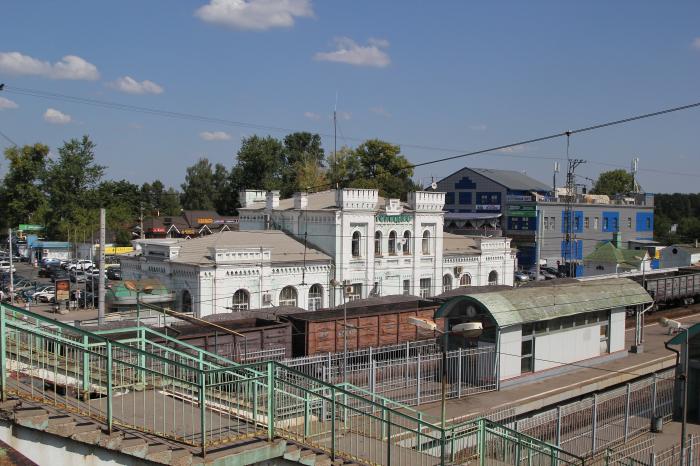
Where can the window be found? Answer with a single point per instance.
(527, 355)
(493, 278)
(449, 198)
(288, 296)
(586, 223)
(315, 297)
(356, 244)
(425, 288)
(595, 223)
(392, 243)
(604, 339)
(355, 292)
(546, 223)
(406, 242)
(465, 280)
(426, 242)
(648, 223)
(553, 223)
(407, 287)
(629, 222)
(241, 301)
(605, 223)
(616, 226)
(446, 283)
(577, 223)
(465, 198)
(378, 243)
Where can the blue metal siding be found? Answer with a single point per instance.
(465, 183)
(449, 198)
(611, 222)
(577, 216)
(465, 198)
(645, 221)
(576, 250)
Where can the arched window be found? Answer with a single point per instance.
(407, 242)
(493, 278)
(378, 243)
(392, 242)
(288, 296)
(465, 280)
(446, 282)
(426, 242)
(186, 301)
(315, 297)
(241, 301)
(356, 244)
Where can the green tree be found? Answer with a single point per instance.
(383, 167)
(303, 156)
(343, 167)
(225, 195)
(22, 197)
(156, 200)
(71, 183)
(198, 189)
(260, 164)
(613, 182)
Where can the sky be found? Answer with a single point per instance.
(437, 78)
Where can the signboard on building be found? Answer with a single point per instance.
(382, 218)
(488, 207)
(228, 220)
(188, 231)
(522, 211)
(157, 230)
(205, 220)
(113, 250)
(30, 227)
(62, 290)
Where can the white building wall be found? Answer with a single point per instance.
(566, 346)
(510, 348)
(617, 329)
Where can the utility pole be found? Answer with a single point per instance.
(141, 222)
(569, 230)
(101, 284)
(554, 179)
(12, 275)
(635, 168)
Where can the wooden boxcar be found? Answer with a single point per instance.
(371, 323)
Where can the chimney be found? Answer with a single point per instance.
(617, 240)
(301, 200)
(273, 200)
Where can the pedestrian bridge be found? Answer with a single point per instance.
(145, 393)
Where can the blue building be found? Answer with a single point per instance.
(491, 202)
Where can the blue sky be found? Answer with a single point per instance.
(454, 75)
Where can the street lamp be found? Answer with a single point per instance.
(131, 286)
(466, 329)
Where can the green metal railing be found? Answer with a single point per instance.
(140, 379)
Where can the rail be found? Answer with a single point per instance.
(137, 378)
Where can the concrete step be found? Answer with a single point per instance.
(159, 453)
(87, 432)
(292, 453)
(34, 418)
(181, 457)
(111, 441)
(246, 452)
(135, 446)
(61, 424)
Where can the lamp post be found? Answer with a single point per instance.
(686, 372)
(472, 329)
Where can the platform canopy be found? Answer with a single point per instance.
(549, 301)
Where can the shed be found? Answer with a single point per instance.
(548, 326)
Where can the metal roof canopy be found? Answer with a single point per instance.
(524, 305)
(680, 338)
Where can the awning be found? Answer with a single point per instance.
(470, 216)
(540, 303)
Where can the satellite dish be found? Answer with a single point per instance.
(433, 185)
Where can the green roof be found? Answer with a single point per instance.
(680, 338)
(522, 305)
(607, 252)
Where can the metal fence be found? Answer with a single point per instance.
(409, 373)
(602, 420)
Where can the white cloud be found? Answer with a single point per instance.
(381, 111)
(215, 135)
(69, 67)
(514, 149)
(696, 43)
(256, 15)
(131, 86)
(7, 103)
(56, 117)
(348, 51)
(479, 127)
(312, 115)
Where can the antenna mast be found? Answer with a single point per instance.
(335, 136)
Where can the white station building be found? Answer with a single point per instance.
(315, 250)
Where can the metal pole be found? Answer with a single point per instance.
(443, 397)
(595, 427)
(684, 426)
(627, 411)
(538, 243)
(12, 275)
(345, 337)
(101, 284)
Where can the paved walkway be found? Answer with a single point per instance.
(578, 382)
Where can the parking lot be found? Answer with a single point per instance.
(83, 311)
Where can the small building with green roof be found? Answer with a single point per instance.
(609, 259)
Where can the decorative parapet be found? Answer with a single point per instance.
(249, 197)
(239, 255)
(272, 200)
(357, 199)
(426, 201)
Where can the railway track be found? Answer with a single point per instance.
(670, 313)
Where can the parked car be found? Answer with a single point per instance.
(553, 271)
(47, 295)
(82, 264)
(58, 274)
(5, 267)
(114, 273)
(77, 276)
(521, 276)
